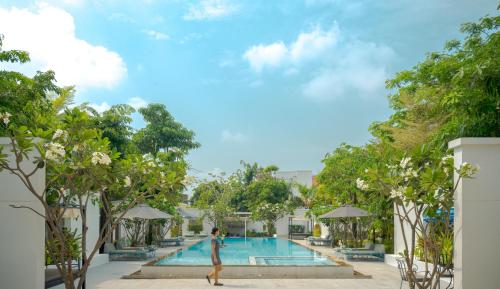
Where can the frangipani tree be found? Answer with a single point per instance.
(270, 213)
(421, 186)
(81, 169)
(214, 198)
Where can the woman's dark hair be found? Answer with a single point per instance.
(214, 230)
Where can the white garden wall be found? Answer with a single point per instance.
(477, 215)
(22, 232)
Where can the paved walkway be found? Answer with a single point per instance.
(108, 276)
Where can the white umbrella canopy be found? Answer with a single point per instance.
(143, 211)
(345, 212)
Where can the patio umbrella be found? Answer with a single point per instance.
(144, 211)
(347, 211)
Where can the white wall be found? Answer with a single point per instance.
(477, 215)
(92, 232)
(300, 177)
(22, 236)
(399, 245)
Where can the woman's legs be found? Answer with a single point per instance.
(218, 268)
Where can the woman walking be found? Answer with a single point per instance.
(215, 258)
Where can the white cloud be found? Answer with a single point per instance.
(360, 69)
(100, 108)
(234, 137)
(261, 56)
(137, 102)
(313, 44)
(210, 9)
(48, 34)
(342, 65)
(156, 34)
(308, 46)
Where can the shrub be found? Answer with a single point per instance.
(297, 228)
(195, 226)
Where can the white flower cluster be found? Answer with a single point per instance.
(127, 182)
(54, 151)
(439, 194)
(408, 173)
(405, 162)
(60, 134)
(467, 170)
(446, 158)
(100, 158)
(5, 116)
(398, 193)
(361, 184)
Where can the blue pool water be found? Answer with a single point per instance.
(238, 251)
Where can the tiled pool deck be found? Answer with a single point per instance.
(108, 276)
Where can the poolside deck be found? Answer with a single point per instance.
(108, 276)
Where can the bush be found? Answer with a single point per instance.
(253, 233)
(317, 230)
(195, 226)
(297, 228)
(176, 231)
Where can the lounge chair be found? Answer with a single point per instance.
(318, 241)
(178, 241)
(377, 254)
(130, 253)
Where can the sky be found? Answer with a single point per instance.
(273, 82)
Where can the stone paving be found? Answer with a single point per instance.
(108, 276)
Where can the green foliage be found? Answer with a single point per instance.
(295, 228)
(266, 188)
(253, 233)
(270, 213)
(451, 94)
(72, 249)
(88, 158)
(115, 126)
(195, 225)
(214, 198)
(162, 132)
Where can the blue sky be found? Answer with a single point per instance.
(277, 82)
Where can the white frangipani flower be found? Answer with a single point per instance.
(405, 162)
(5, 116)
(467, 170)
(100, 158)
(398, 193)
(127, 182)
(60, 134)
(446, 158)
(361, 184)
(55, 151)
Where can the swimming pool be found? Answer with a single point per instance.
(249, 251)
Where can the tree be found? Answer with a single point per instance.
(266, 188)
(81, 166)
(115, 126)
(214, 198)
(162, 132)
(421, 185)
(451, 94)
(270, 213)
